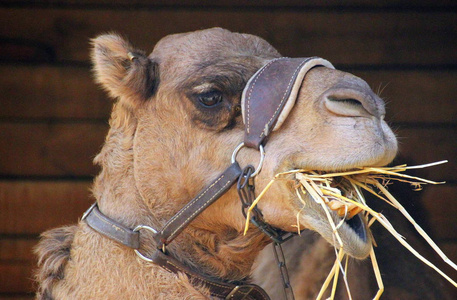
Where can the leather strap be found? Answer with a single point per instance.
(217, 288)
(192, 209)
(117, 232)
(112, 229)
(270, 95)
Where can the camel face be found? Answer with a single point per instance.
(185, 98)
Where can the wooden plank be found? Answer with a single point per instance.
(50, 204)
(17, 250)
(441, 205)
(415, 96)
(68, 149)
(420, 145)
(51, 92)
(411, 96)
(25, 51)
(241, 3)
(17, 263)
(16, 278)
(33, 207)
(20, 296)
(20, 265)
(412, 38)
(50, 149)
(19, 268)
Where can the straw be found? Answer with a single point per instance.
(318, 186)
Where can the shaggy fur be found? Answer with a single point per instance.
(53, 255)
(164, 146)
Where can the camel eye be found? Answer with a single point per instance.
(210, 99)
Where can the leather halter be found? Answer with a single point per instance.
(267, 99)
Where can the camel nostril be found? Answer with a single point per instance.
(346, 106)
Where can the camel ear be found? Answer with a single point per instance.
(126, 73)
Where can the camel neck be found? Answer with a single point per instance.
(218, 285)
(202, 248)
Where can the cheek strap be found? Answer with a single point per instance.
(270, 95)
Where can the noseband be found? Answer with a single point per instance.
(267, 100)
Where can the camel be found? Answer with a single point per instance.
(175, 123)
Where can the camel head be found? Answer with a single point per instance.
(182, 107)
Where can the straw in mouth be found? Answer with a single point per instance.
(340, 193)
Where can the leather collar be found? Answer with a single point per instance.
(130, 238)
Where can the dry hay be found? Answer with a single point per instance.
(342, 193)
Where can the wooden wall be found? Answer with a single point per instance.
(53, 118)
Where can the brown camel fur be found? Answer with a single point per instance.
(174, 127)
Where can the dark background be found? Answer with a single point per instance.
(53, 118)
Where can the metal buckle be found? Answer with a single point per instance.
(88, 211)
(235, 290)
(137, 252)
(230, 295)
(262, 158)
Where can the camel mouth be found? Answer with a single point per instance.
(352, 232)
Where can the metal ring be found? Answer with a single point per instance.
(88, 211)
(137, 252)
(131, 56)
(262, 158)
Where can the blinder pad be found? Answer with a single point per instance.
(270, 95)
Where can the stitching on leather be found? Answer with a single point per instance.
(200, 208)
(101, 218)
(248, 127)
(263, 296)
(169, 270)
(285, 93)
(253, 288)
(259, 293)
(190, 204)
(106, 221)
